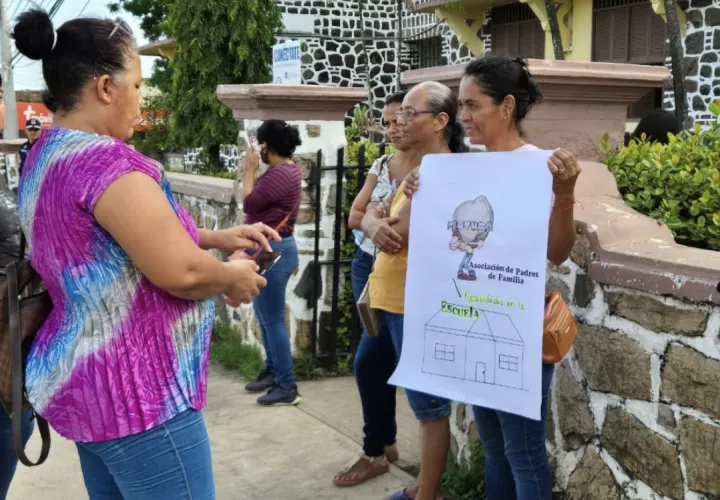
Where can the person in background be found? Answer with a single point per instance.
(9, 251)
(655, 125)
(496, 94)
(274, 198)
(120, 366)
(428, 119)
(2, 106)
(32, 130)
(375, 357)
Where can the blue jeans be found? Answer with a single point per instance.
(169, 462)
(425, 406)
(374, 363)
(270, 312)
(516, 462)
(8, 460)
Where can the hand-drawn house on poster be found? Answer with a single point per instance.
(476, 345)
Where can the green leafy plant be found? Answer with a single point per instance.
(677, 183)
(229, 350)
(361, 124)
(346, 302)
(466, 482)
(220, 175)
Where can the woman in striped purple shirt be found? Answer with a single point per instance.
(274, 198)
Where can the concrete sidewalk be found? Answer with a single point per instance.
(274, 453)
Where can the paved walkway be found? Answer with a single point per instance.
(274, 453)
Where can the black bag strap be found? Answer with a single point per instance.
(23, 243)
(18, 380)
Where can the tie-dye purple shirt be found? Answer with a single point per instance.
(117, 355)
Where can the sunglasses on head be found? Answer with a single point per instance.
(120, 24)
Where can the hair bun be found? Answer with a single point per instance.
(34, 34)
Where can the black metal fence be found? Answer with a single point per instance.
(327, 333)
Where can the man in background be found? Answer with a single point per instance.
(32, 129)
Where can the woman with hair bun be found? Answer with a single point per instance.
(274, 199)
(120, 365)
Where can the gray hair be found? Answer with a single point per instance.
(440, 99)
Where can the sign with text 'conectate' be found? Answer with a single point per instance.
(286, 63)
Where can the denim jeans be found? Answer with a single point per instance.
(8, 460)
(270, 311)
(516, 462)
(424, 406)
(374, 363)
(169, 462)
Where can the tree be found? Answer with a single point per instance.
(218, 42)
(153, 15)
(676, 56)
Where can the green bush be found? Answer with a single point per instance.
(229, 350)
(346, 301)
(220, 174)
(466, 482)
(677, 183)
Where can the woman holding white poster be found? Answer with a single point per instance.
(428, 118)
(496, 94)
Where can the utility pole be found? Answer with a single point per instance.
(11, 125)
(398, 45)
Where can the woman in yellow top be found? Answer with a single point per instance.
(428, 118)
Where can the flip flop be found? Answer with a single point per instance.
(374, 467)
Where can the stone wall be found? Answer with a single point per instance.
(701, 65)
(635, 407)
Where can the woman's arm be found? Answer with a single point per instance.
(561, 235)
(251, 162)
(359, 206)
(564, 168)
(378, 228)
(136, 213)
(402, 226)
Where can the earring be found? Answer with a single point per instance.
(506, 117)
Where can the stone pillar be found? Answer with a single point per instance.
(582, 100)
(319, 114)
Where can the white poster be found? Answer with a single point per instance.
(474, 298)
(286, 67)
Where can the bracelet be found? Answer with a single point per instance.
(572, 204)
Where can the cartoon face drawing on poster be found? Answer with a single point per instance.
(470, 226)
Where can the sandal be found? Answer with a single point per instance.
(361, 470)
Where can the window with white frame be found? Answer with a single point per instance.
(445, 352)
(509, 363)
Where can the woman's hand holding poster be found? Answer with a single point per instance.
(475, 289)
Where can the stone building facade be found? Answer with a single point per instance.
(334, 52)
(701, 64)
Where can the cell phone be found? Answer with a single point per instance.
(267, 260)
(255, 144)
